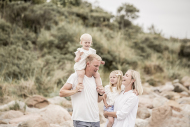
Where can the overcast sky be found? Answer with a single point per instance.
(170, 16)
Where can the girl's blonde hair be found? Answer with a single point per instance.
(119, 75)
(137, 83)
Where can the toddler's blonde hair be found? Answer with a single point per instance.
(84, 36)
(119, 75)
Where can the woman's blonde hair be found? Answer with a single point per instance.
(137, 83)
(119, 75)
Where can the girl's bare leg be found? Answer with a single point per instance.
(110, 123)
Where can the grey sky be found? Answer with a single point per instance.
(170, 16)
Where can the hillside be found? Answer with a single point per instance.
(38, 41)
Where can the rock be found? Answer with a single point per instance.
(158, 116)
(37, 101)
(170, 95)
(186, 81)
(147, 88)
(159, 101)
(174, 105)
(24, 118)
(67, 124)
(11, 114)
(146, 101)
(55, 114)
(34, 123)
(180, 88)
(184, 100)
(141, 123)
(167, 87)
(60, 101)
(164, 116)
(142, 112)
(12, 105)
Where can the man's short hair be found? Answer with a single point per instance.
(91, 57)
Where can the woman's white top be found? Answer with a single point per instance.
(126, 106)
(81, 64)
(111, 96)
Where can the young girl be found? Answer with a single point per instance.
(111, 92)
(80, 59)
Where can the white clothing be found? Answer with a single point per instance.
(126, 106)
(111, 96)
(85, 103)
(81, 64)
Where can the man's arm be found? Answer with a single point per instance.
(66, 91)
(100, 98)
(100, 91)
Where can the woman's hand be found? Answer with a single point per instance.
(136, 92)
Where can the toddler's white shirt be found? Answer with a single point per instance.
(81, 64)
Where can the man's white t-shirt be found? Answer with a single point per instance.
(85, 103)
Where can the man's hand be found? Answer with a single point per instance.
(79, 87)
(103, 62)
(100, 90)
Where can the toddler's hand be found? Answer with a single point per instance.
(103, 62)
(81, 53)
(100, 90)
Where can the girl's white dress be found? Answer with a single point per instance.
(81, 64)
(111, 96)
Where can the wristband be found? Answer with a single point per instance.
(100, 94)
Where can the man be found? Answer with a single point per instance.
(85, 103)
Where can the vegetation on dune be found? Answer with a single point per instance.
(38, 41)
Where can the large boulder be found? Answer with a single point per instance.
(165, 116)
(167, 87)
(37, 101)
(186, 81)
(170, 95)
(141, 123)
(184, 100)
(159, 101)
(60, 101)
(34, 123)
(142, 112)
(55, 114)
(179, 87)
(146, 101)
(11, 114)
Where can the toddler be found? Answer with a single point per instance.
(80, 59)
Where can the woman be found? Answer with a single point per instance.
(126, 104)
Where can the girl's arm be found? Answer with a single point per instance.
(110, 114)
(78, 56)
